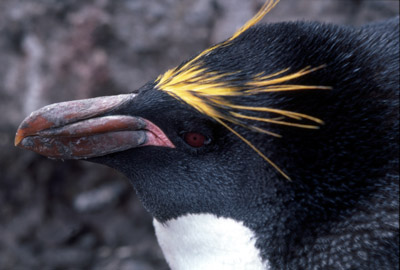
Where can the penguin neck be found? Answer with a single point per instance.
(205, 241)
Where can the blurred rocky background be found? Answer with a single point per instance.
(77, 215)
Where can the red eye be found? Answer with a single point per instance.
(194, 139)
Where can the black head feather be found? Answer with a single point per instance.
(340, 211)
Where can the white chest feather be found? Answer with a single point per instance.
(204, 241)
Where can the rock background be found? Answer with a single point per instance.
(77, 215)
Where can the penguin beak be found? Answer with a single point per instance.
(87, 128)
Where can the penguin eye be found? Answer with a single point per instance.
(195, 139)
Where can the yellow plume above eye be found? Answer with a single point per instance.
(211, 92)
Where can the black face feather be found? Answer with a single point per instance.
(340, 210)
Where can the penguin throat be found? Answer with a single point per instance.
(205, 241)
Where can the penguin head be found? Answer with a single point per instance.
(275, 127)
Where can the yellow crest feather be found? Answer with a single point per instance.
(207, 91)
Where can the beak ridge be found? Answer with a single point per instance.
(61, 114)
(86, 128)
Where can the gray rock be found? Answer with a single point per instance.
(98, 198)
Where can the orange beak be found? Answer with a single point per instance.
(86, 128)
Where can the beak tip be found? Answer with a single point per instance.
(18, 138)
